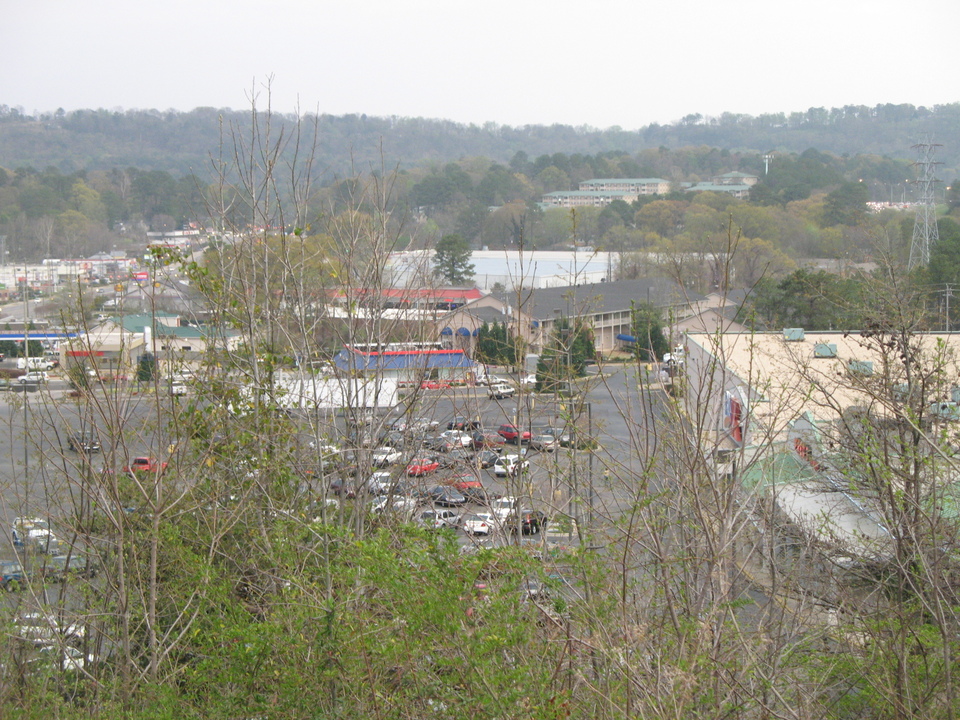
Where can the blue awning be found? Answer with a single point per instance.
(446, 331)
(626, 338)
(463, 332)
(476, 331)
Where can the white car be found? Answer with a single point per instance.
(529, 380)
(385, 455)
(503, 506)
(458, 437)
(508, 465)
(30, 531)
(36, 376)
(380, 483)
(438, 518)
(177, 388)
(397, 505)
(478, 524)
(44, 629)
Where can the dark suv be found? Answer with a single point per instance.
(530, 521)
(83, 441)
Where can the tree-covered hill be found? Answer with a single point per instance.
(183, 143)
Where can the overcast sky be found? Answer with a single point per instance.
(599, 63)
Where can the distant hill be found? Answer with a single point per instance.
(184, 142)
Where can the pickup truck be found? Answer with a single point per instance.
(501, 391)
(145, 464)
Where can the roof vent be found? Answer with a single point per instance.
(793, 334)
(860, 367)
(825, 350)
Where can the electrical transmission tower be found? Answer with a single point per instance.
(925, 231)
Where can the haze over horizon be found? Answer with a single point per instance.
(613, 64)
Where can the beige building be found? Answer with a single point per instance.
(108, 351)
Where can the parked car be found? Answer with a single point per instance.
(573, 439)
(339, 486)
(437, 444)
(463, 423)
(29, 531)
(380, 483)
(486, 458)
(385, 455)
(503, 506)
(392, 504)
(41, 628)
(457, 456)
(434, 385)
(87, 442)
(471, 487)
(59, 567)
(4, 385)
(493, 380)
(177, 388)
(478, 524)
(414, 425)
(446, 496)
(145, 464)
(501, 391)
(511, 433)
(529, 521)
(438, 519)
(493, 441)
(529, 380)
(12, 576)
(422, 466)
(509, 465)
(457, 437)
(69, 659)
(544, 443)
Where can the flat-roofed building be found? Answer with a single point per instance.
(763, 402)
(633, 186)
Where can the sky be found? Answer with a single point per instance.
(601, 64)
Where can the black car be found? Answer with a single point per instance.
(486, 458)
(83, 441)
(530, 521)
(59, 567)
(437, 444)
(446, 496)
(457, 456)
(462, 423)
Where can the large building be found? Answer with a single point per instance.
(778, 411)
(600, 192)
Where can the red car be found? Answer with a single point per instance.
(511, 433)
(434, 385)
(145, 464)
(422, 466)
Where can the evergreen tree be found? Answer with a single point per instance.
(451, 260)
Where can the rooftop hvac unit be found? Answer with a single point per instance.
(945, 410)
(860, 367)
(825, 350)
(793, 334)
(901, 392)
